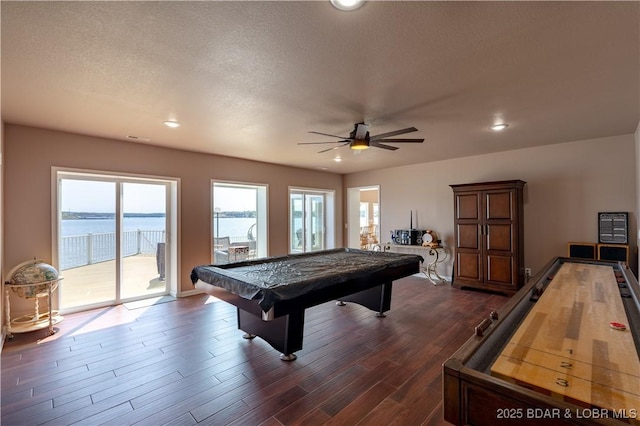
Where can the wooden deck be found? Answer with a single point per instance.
(91, 284)
(185, 362)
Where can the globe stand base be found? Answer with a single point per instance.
(27, 323)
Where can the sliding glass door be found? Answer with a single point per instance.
(112, 239)
(307, 212)
(143, 242)
(87, 242)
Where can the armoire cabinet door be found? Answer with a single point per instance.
(469, 242)
(499, 236)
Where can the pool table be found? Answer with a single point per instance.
(272, 294)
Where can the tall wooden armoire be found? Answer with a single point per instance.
(489, 235)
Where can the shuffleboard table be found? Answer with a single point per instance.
(272, 294)
(563, 350)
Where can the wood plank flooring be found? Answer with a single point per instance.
(185, 362)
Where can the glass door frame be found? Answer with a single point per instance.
(328, 222)
(317, 227)
(171, 228)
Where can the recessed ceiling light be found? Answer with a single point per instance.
(347, 4)
(498, 127)
(337, 159)
(172, 124)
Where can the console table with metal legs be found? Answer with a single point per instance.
(434, 257)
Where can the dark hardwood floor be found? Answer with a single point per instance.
(185, 362)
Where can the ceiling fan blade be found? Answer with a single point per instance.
(335, 147)
(327, 134)
(361, 131)
(394, 133)
(379, 145)
(317, 143)
(400, 140)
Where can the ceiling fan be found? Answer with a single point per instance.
(359, 139)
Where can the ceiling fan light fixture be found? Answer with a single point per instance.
(359, 144)
(172, 124)
(359, 139)
(347, 4)
(499, 127)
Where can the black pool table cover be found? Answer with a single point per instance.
(273, 279)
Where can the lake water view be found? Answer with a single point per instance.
(87, 241)
(229, 226)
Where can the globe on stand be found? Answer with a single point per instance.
(33, 279)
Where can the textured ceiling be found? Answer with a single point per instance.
(251, 79)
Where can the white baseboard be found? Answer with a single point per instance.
(4, 335)
(190, 293)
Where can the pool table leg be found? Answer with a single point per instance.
(377, 299)
(290, 357)
(283, 333)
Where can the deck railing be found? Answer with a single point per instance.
(87, 249)
(81, 250)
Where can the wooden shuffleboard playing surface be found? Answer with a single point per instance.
(566, 348)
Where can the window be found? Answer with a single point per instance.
(239, 222)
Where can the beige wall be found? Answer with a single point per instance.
(636, 230)
(568, 184)
(2, 271)
(30, 153)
